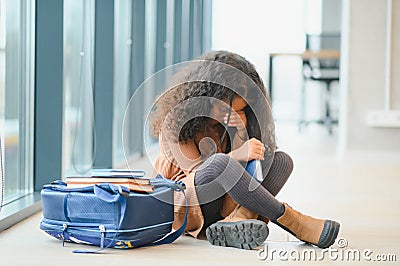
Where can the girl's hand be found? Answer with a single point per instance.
(237, 119)
(250, 150)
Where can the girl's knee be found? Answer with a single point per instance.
(217, 163)
(219, 158)
(282, 157)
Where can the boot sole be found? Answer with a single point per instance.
(247, 234)
(328, 234)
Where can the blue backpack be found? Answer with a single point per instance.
(108, 215)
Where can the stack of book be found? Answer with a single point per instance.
(132, 179)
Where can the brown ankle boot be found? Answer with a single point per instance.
(240, 213)
(321, 233)
(240, 229)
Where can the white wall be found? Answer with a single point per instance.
(331, 15)
(254, 28)
(363, 75)
(396, 55)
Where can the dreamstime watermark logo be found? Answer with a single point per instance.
(340, 252)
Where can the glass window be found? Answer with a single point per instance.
(143, 96)
(143, 55)
(169, 42)
(150, 89)
(122, 72)
(78, 137)
(150, 37)
(16, 96)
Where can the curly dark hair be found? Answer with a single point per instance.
(175, 111)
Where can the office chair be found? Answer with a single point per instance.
(321, 68)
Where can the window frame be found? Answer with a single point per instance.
(43, 103)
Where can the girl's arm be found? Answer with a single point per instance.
(238, 119)
(243, 148)
(185, 156)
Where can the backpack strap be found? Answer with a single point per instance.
(178, 186)
(171, 237)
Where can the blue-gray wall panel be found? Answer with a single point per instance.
(103, 82)
(48, 92)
